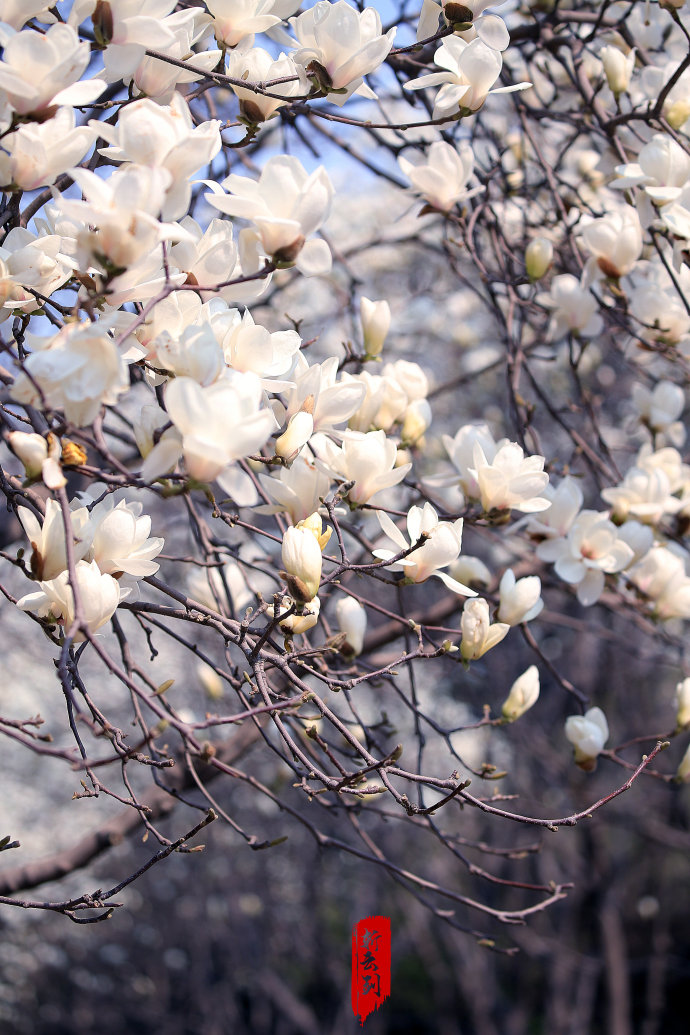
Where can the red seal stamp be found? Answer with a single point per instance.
(371, 965)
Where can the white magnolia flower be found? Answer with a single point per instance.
(193, 352)
(120, 540)
(662, 577)
(305, 614)
(297, 491)
(258, 66)
(332, 400)
(614, 241)
(588, 734)
(368, 460)
(40, 456)
(460, 450)
(510, 480)
(467, 19)
(660, 408)
(28, 261)
(78, 370)
(126, 28)
(643, 494)
(48, 547)
(591, 549)
(17, 13)
(519, 600)
(441, 176)
(566, 502)
(662, 169)
(538, 257)
(99, 596)
(441, 548)
(161, 136)
(119, 217)
(220, 423)
(479, 635)
(683, 702)
(249, 346)
(470, 71)
(301, 556)
(352, 620)
(656, 304)
(340, 46)
(286, 205)
(376, 320)
(524, 693)
(237, 20)
(160, 448)
(618, 68)
(383, 405)
(159, 79)
(38, 152)
(41, 69)
(576, 311)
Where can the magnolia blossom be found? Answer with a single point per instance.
(211, 259)
(538, 257)
(576, 310)
(296, 491)
(587, 733)
(298, 432)
(352, 621)
(467, 19)
(471, 69)
(331, 401)
(305, 615)
(660, 408)
(158, 79)
(160, 448)
(376, 321)
(99, 596)
(618, 68)
(340, 45)
(566, 502)
(218, 424)
(78, 370)
(40, 457)
(478, 633)
(520, 600)
(614, 241)
(249, 346)
(662, 577)
(286, 205)
(120, 540)
(48, 547)
(119, 216)
(662, 170)
(683, 703)
(258, 66)
(509, 480)
(28, 261)
(368, 460)
(441, 176)
(523, 694)
(42, 69)
(38, 152)
(162, 137)
(591, 549)
(237, 20)
(443, 541)
(301, 556)
(643, 494)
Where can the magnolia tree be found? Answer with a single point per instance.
(279, 486)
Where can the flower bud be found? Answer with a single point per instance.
(618, 68)
(301, 556)
(683, 770)
(478, 634)
(40, 457)
(587, 733)
(315, 525)
(376, 321)
(538, 257)
(683, 703)
(523, 694)
(352, 619)
(415, 422)
(296, 435)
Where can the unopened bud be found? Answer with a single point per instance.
(538, 257)
(523, 694)
(376, 321)
(295, 437)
